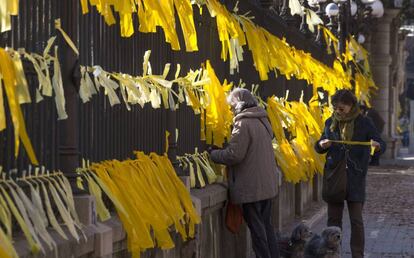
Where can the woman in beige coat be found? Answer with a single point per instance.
(253, 174)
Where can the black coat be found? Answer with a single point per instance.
(358, 157)
(376, 119)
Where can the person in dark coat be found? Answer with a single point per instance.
(347, 123)
(404, 124)
(253, 174)
(379, 124)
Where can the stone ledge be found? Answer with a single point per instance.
(65, 248)
(96, 243)
(211, 195)
(103, 241)
(120, 248)
(118, 231)
(110, 236)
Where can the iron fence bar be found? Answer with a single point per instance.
(69, 128)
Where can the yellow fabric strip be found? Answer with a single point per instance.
(95, 190)
(185, 14)
(58, 26)
(2, 112)
(167, 144)
(108, 15)
(6, 246)
(127, 26)
(44, 82)
(22, 86)
(358, 143)
(13, 7)
(7, 69)
(43, 62)
(5, 20)
(153, 199)
(218, 114)
(58, 88)
(52, 218)
(353, 143)
(28, 232)
(48, 46)
(6, 216)
(84, 4)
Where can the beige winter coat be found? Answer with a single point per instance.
(253, 174)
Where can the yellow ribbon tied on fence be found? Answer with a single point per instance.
(218, 113)
(289, 162)
(151, 14)
(22, 85)
(185, 14)
(58, 26)
(7, 9)
(6, 246)
(2, 112)
(9, 78)
(149, 198)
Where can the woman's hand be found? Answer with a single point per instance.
(376, 145)
(325, 143)
(211, 148)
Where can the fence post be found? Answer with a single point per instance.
(172, 142)
(69, 128)
(299, 199)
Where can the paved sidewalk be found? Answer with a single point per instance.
(388, 214)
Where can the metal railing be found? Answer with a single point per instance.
(95, 130)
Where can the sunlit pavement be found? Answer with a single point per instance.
(388, 213)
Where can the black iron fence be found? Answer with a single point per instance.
(97, 131)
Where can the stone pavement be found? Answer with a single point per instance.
(388, 214)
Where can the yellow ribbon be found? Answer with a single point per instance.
(58, 26)
(2, 112)
(22, 85)
(13, 7)
(5, 19)
(358, 143)
(167, 144)
(148, 214)
(6, 246)
(9, 78)
(58, 88)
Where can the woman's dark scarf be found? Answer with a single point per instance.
(346, 123)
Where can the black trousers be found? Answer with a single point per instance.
(335, 211)
(258, 218)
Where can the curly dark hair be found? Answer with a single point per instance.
(346, 97)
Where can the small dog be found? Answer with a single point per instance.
(294, 246)
(327, 245)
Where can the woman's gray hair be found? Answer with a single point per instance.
(240, 99)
